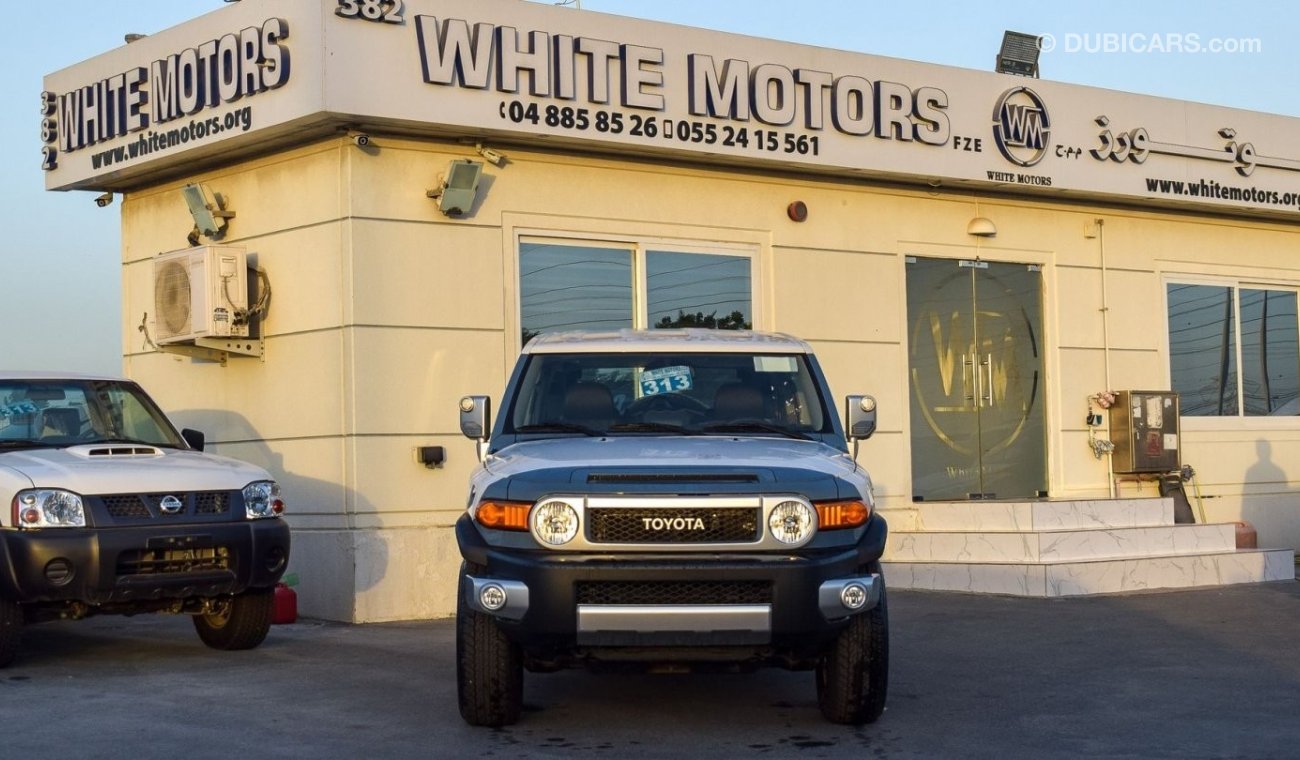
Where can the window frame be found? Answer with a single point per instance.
(638, 246)
(1236, 285)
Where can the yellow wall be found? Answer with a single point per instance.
(385, 312)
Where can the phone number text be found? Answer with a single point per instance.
(658, 127)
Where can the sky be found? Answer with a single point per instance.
(60, 254)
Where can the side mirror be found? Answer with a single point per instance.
(476, 417)
(859, 417)
(194, 438)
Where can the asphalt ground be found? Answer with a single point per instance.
(1190, 674)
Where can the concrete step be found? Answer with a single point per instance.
(1057, 545)
(1096, 576)
(899, 518)
(1043, 515)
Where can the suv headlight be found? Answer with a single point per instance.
(791, 522)
(48, 508)
(555, 523)
(262, 499)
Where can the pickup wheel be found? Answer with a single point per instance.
(489, 667)
(853, 676)
(239, 622)
(11, 629)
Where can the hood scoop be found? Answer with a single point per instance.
(620, 478)
(104, 451)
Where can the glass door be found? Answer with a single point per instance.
(976, 380)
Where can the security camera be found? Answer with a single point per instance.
(491, 156)
(103, 200)
(360, 139)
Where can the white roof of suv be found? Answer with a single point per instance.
(688, 340)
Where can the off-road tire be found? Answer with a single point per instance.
(489, 667)
(11, 630)
(853, 677)
(242, 625)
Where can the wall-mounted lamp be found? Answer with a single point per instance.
(981, 226)
(430, 456)
(133, 37)
(1019, 54)
(208, 210)
(459, 187)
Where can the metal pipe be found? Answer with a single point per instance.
(1105, 339)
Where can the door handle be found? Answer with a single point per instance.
(988, 390)
(968, 391)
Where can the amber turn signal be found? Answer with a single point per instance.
(503, 515)
(833, 515)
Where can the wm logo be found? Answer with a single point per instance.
(1021, 126)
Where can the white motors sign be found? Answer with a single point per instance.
(521, 71)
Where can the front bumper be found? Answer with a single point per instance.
(101, 566)
(802, 605)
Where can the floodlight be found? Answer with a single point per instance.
(1019, 54)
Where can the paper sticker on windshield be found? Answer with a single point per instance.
(17, 408)
(666, 380)
(774, 364)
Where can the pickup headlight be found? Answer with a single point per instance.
(791, 522)
(262, 499)
(48, 508)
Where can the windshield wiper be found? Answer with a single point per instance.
(652, 427)
(558, 427)
(27, 443)
(751, 426)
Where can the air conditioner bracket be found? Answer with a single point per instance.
(216, 349)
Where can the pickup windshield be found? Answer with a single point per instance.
(668, 394)
(45, 413)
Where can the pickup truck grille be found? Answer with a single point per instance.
(674, 592)
(670, 525)
(146, 506)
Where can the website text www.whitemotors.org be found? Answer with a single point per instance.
(1211, 189)
(156, 142)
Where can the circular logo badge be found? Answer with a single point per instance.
(1021, 126)
(170, 505)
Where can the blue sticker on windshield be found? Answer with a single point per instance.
(666, 380)
(17, 408)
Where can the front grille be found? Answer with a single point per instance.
(126, 506)
(672, 477)
(674, 592)
(673, 526)
(158, 561)
(144, 506)
(211, 503)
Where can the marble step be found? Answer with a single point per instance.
(1097, 576)
(1057, 545)
(1044, 515)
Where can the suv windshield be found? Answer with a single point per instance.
(687, 393)
(41, 413)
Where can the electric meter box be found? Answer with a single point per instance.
(1144, 429)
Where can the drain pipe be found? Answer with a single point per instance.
(1105, 341)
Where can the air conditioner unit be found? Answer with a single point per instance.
(200, 293)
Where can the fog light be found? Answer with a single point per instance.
(492, 597)
(853, 596)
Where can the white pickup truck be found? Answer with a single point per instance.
(111, 510)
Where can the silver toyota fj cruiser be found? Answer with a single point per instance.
(670, 499)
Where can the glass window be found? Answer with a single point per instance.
(566, 287)
(648, 393)
(698, 290)
(1270, 352)
(69, 412)
(571, 286)
(1233, 351)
